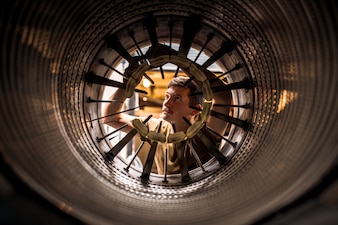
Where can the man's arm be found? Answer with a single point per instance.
(111, 114)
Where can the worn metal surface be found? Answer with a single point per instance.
(289, 48)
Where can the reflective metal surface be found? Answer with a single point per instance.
(290, 49)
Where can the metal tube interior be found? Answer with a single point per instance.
(289, 49)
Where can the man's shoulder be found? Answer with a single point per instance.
(154, 123)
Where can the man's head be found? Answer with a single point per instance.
(195, 95)
(179, 98)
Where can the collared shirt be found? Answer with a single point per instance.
(172, 162)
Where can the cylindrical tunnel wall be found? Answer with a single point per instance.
(290, 49)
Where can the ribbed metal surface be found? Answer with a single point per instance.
(290, 50)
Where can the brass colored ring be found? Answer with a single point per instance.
(198, 74)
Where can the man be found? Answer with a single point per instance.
(182, 103)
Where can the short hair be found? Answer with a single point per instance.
(195, 95)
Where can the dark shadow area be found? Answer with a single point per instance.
(20, 205)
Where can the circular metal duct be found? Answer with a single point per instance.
(289, 50)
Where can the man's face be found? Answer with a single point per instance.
(176, 105)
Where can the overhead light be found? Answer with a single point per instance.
(146, 83)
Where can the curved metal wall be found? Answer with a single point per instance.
(290, 50)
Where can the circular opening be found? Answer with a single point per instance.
(155, 65)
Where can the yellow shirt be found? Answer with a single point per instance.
(173, 161)
(164, 149)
